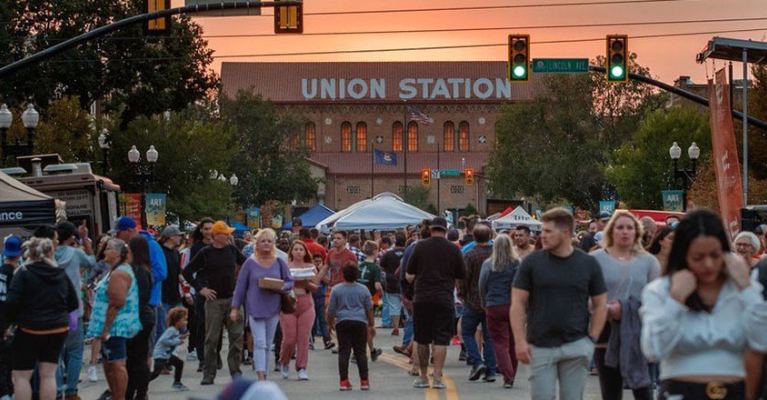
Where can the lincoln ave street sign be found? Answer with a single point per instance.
(561, 65)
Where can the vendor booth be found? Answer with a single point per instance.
(517, 217)
(23, 209)
(385, 211)
(311, 217)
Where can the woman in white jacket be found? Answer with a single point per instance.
(703, 316)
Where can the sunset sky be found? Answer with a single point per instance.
(667, 58)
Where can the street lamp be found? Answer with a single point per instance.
(143, 174)
(234, 180)
(104, 145)
(685, 175)
(30, 118)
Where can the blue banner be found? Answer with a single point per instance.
(155, 209)
(673, 200)
(385, 157)
(607, 205)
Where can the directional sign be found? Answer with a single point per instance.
(561, 65)
(435, 174)
(450, 172)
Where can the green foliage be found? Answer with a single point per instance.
(642, 168)
(418, 196)
(64, 129)
(470, 210)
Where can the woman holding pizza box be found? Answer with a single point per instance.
(262, 280)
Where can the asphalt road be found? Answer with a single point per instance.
(389, 379)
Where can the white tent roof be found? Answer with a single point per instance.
(517, 217)
(385, 211)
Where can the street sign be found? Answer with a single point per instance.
(450, 172)
(435, 174)
(561, 65)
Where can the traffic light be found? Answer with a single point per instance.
(469, 173)
(617, 58)
(519, 58)
(426, 177)
(159, 26)
(289, 19)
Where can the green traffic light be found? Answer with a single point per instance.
(519, 71)
(616, 71)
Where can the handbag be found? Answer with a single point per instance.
(288, 300)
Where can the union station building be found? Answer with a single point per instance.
(354, 108)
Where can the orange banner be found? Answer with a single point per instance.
(725, 153)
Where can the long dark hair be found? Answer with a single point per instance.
(139, 248)
(694, 225)
(660, 234)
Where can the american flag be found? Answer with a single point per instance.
(418, 116)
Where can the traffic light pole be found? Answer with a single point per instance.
(98, 32)
(690, 96)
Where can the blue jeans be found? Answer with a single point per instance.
(320, 327)
(72, 360)
(162, 312)
(392, 307)
(469, 322)
(407, 336)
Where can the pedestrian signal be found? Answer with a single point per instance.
(288, 19)
(426, 177)
(469, 174)
(617, 58)
(519, 58)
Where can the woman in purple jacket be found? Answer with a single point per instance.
(261, 305)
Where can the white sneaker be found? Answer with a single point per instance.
(191, 357)
(92, 376)
(285, 371)
(302, 375)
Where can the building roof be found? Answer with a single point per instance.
(362, 163)
(290, 82)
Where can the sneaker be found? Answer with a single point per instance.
(421, 383)
(302, 376)
(285, 371)
(490, 378)
(334, 351)
(395, 332)
(364, 384)
(206, 382)
(329, 345)
(438, 384)
(456, 341)
(311, 345)
(107, 395)
(508, 384)
(414, 372)
(345, 385)
(353, 360)
(277, 367)
(476, 372)
(199, 367)
(401, 350)
(462, 356)
(191, 356)
(179, 387)
(375, 353)
(92, 375)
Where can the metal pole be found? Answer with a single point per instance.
(732, 90)
(404, 148)
(745, 127)
(439, 178)
(372, 166)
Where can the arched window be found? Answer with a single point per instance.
(310, 135)
(396, 136)
(346, 137)
(362, 137)
(295, 141)
(449, 137)
(412, 136)
(463, 136)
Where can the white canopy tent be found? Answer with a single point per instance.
(517, 217)
(385, 211)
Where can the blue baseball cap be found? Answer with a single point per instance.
(124, 224)
(12, 246)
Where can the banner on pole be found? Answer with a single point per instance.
(727, 166)
(607, 206)
(253, 215)
(130, 206)
(155, 209)
(672, 200)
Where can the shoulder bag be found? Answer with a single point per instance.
(288, 300)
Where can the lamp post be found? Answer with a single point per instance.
(143, 174)
(30, 118)
(685, 175)
(104, 145)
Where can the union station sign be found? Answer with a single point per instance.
(406, 89)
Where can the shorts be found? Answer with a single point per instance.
(115, 349)
(28, 349)
(433, 323)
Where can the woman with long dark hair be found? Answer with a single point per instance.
(660, 245)
(704, 315)
(138, 346)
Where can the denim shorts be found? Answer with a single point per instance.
(115, 349)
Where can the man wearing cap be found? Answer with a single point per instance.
(170, 239)
(220, 262)
(11, 254)
(73, 260)
(589, 241)
(434, 265)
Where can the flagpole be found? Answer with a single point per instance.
(372, 165)
(439, 177)
(405, 124)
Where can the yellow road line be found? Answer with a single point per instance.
(452, 390)
(431, 394)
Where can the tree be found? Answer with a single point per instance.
(641, 168)
(269, 166)
(144, 75)
(65, 129)
(418, 196)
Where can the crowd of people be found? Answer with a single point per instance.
(674, 310)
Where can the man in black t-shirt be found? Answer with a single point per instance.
(202, 238)
(434, 265)
(390, 264)
(170, 238)
(550, 296)
(220, 262)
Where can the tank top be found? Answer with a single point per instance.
(126, 324)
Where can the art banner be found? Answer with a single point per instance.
(253, 215)
(607, 206)
(673, 200)
(155, 209)
(130, 206)
(726, 162)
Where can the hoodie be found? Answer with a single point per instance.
(41, 297)
(72, 260)
(159, 268)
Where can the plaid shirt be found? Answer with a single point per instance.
(357, 252)
(470, 287)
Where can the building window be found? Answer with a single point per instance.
(295, 141)
(310, 133)
(449, 138)
(463, 136)
(396, 136)
(346, 137)
(362, 137)
(412, 136)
